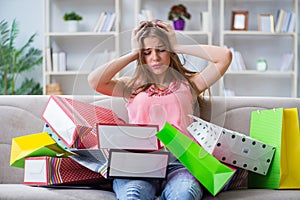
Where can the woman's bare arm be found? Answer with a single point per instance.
(102, 79)
(219, 58)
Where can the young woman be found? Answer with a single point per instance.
(161, 90)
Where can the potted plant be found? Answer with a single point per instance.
(177, 15)
(72, 18)
(15, 61)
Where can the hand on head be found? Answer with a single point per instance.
(136, 33)
(164, 28)
(169, 31)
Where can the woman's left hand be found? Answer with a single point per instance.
(169, 30)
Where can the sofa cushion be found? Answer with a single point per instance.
(25, 192)
(256, 194)
(21, 115)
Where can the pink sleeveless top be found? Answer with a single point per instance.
(156, 107)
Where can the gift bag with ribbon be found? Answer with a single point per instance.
(210, 172)
(38, 144)
(280, 128)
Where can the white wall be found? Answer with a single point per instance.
(29, 14)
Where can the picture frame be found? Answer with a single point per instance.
(239, 20)
(266, 23)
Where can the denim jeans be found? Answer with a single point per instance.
(180, 184)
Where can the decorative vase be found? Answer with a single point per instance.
(179, 24)
(72, 25)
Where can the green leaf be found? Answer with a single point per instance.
(15, 61)
(29, 87)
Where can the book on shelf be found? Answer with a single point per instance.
(240, 61)
(237, 63)
(99, 21)
(55, 62)
(59, 61)
(102, 22)
(279, 19)
(205, 21)
(105, 22)
(62, 59)
(48, 59)
(109, 22)
(292, 23)
(285, 21)
(287, 62)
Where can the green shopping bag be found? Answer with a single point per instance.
(280, 128)
(210, 172)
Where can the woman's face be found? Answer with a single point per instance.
(156, 56)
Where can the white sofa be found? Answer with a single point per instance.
(21, 115)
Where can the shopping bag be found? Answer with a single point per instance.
(128, 136)
(232, 147)
(280, 128)
(44, 171)
(54, 136)
(137, 164)
(94, 159)
(38, 144)
(75, 121)
(209, 171)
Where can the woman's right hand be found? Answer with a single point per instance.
(134, 38)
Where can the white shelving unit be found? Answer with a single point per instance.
(254, 44)
(87, 49)
(193, 27)
(84, 49)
